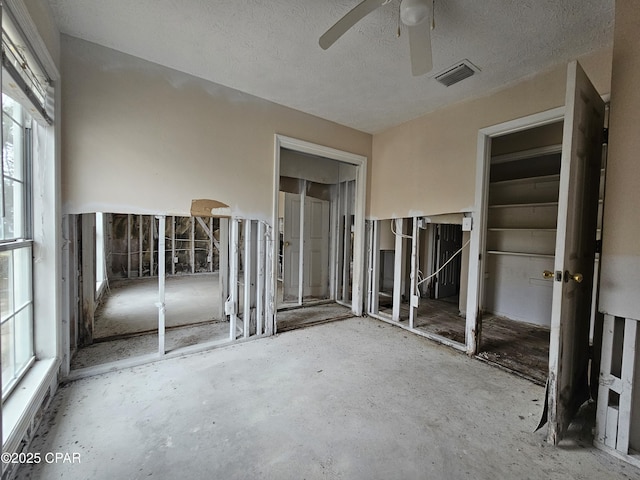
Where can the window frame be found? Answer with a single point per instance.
(23, 241)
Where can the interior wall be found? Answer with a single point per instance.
(428, 165)
(149, 139)
(620, 275)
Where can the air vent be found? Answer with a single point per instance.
(456, 73)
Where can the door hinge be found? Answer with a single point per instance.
(598, 246)
(605, 135)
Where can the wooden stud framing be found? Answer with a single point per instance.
(173, 246)
(413, 294)
(233, 278)
(270, 281)
(129, 232)
(140, 245)
(193, 245)
(223, 269)
(626, 395)
(397, 269)
(210, 256)
(88, 278)
(161, 284)
(333, 250)
(375, 268)
(260, 284)
(303, 201)
(152, 227)
(247, 265)
(613, 423)
(340, 223)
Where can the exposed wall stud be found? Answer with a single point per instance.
(346, 241)
(193, 245)
(397, 269)
(161, 285)
(413, 294)
(223, 269)
(247, 264)
(152, 227)
(260, 284)
(140, 245)
(233, 279)
(333, 250)
(173, 246)
(303, 197)
(88, 278)
(129, 232)
(210, 255)
(375, 267)
(270, 280)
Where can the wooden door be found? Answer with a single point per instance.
(291, 247)
(575, 251)
(316, 248)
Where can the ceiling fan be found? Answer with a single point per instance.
(415, 14)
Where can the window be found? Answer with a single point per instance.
(16, 246)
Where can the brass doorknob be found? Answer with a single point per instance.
(548, 275)
(576, 277)
(286, 244)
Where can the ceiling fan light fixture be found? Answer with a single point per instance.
(414, 12)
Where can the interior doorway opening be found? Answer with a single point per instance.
(320, 218)
(522, 215)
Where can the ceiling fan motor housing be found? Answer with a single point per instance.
(414, 12)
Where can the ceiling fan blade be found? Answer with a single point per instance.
(420, 48)
(349, 20)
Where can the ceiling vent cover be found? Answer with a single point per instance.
(456, 73)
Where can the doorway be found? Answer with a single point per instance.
(319, 211)
(572, 276)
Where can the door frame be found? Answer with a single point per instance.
(477, 248)
(360, 162)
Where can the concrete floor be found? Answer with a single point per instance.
(352, 399)
(130, 305)
(137, 345)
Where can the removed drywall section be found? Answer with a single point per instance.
(429, 164)
(620, 277)
(142, 138)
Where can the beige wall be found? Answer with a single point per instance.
(620, 280)
(428, 166)
(142, 138)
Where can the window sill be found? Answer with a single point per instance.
(25, 401)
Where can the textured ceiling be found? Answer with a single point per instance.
(270, 48)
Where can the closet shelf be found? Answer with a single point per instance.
(525, 205)
(520, 254)
(523, 229)
(516, 181)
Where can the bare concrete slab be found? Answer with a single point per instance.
(310, 315)
(130, 306)
(137, 345)
(352, 399)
